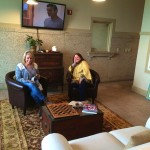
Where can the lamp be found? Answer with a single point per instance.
(98, 0)
(32, 2)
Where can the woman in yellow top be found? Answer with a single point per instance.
(81, 76)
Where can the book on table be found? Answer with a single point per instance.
(90, 108)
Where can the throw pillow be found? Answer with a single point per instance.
(138, 139)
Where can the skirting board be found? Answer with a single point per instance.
(3, 86)
(139, 91)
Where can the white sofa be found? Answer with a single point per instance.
(133, 138)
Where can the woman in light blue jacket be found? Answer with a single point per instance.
(28, 74)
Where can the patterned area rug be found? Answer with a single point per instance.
(19, 132)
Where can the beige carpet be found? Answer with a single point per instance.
(119, 97)
(20, 132)
(12, 136)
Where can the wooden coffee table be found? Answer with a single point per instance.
(72, 127)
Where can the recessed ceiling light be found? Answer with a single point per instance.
(32, 2)
(98, 0)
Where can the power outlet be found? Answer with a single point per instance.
(69, 12)
(117, 50)
(127, 50)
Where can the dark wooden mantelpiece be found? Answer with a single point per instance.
(51, 66)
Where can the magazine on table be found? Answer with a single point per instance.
(90, 108)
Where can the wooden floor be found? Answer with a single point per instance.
(119, 97)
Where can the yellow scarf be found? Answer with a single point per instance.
(80, 70)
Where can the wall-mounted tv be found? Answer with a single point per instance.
(45, 15)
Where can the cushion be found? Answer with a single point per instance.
(55, 141)
(100, 141)
(138, 139)
(123, 135)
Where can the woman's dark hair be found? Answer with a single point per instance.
(79, 56)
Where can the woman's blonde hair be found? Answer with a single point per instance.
(26, 53)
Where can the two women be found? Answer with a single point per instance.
(27, 72)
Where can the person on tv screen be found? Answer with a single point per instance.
(53, 21)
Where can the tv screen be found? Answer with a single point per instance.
(45, 15)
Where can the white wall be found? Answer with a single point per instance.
(10, 11)
(128, 13)
(141, 78)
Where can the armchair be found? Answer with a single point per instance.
(91, 90)
(19, 94)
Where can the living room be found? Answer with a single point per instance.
(76, 37)
(131, 32)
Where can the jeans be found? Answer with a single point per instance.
(36, 94)
(82, 89)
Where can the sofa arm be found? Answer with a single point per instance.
(55, 141)
(15, 84)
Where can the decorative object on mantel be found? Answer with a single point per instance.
(34, 45)
(54, 48)
(32, 2)
(99, 0)
(39, 44)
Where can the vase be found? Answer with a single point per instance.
(33, 49)
(38, 48)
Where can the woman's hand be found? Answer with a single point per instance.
(75, 81)
(81, 79)
(74, 64)
(37, 76)
(30, 81)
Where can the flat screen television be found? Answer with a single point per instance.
(45, 15)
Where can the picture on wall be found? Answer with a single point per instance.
(147, 66)
(148, 93)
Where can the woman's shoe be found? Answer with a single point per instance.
(46, 101)
(42, 103)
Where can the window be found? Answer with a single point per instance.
(101, 30)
